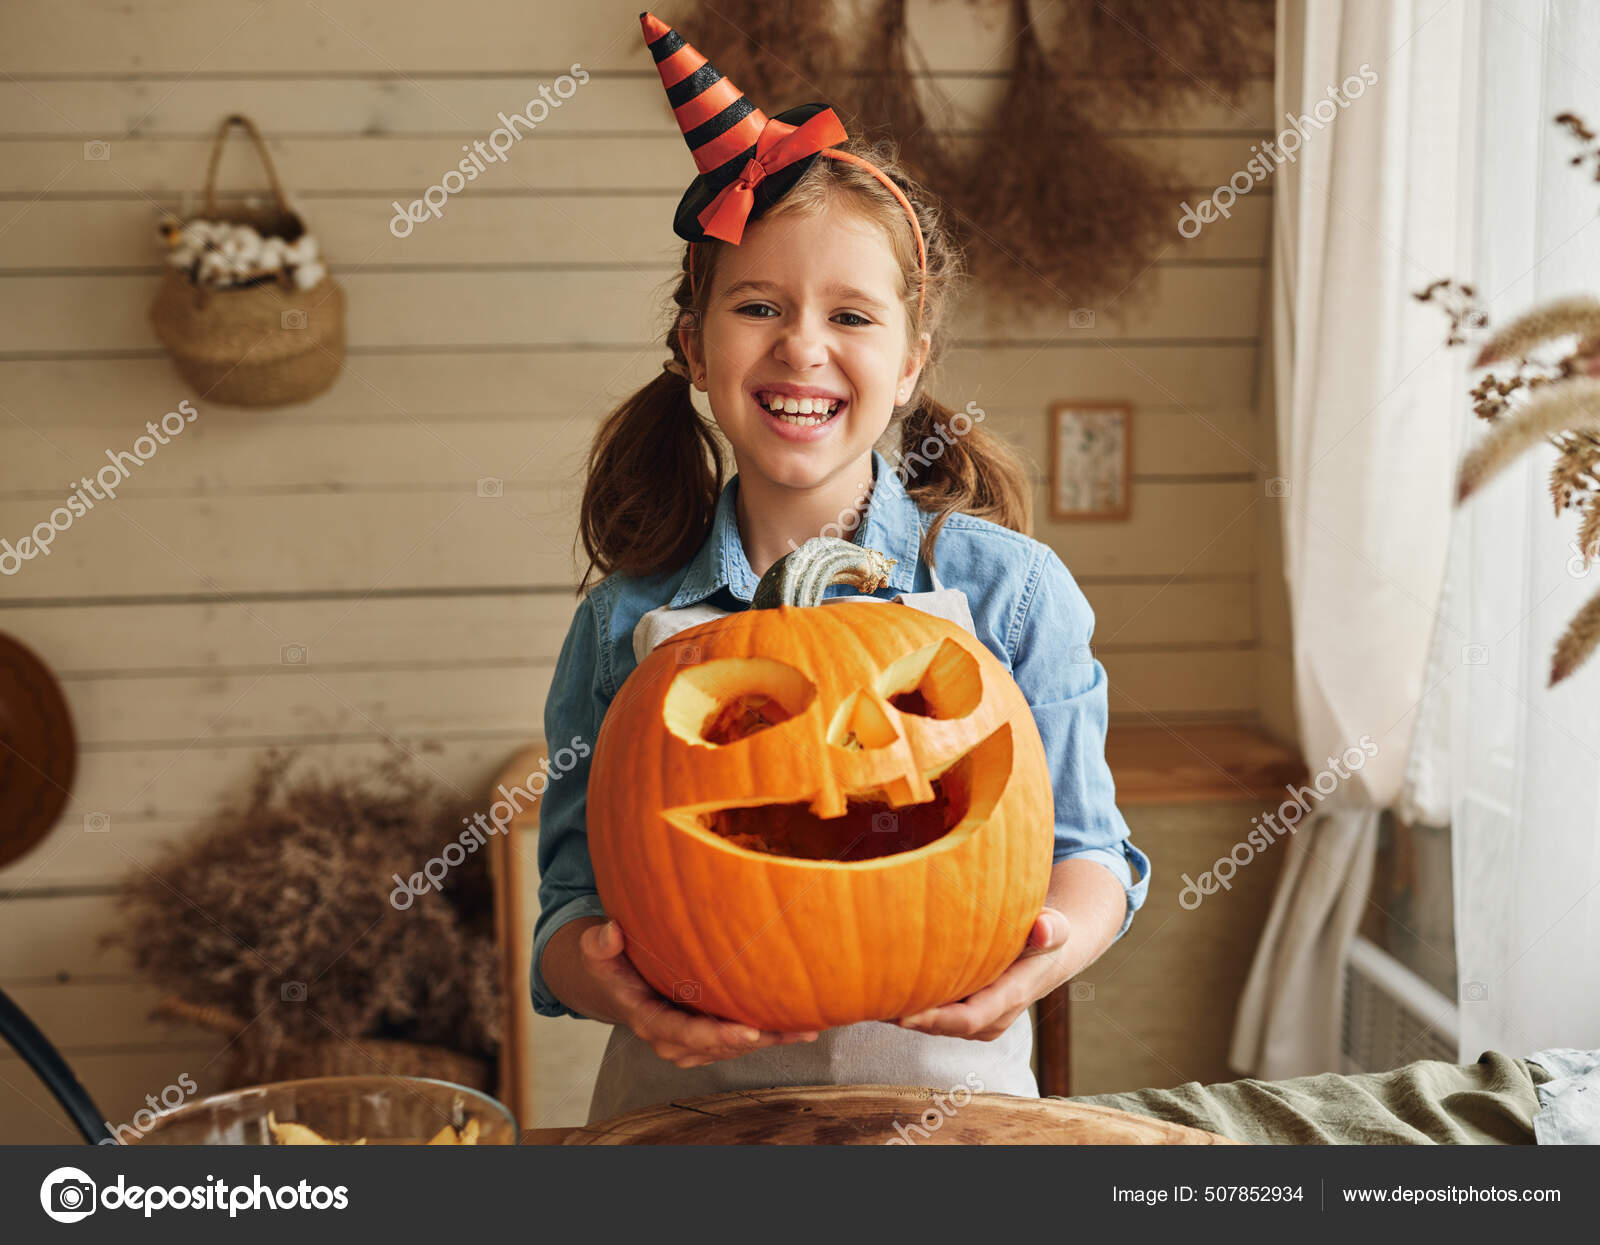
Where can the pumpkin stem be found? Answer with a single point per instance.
(803, 575)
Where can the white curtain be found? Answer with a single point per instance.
(1370, 210)
(1524, 803)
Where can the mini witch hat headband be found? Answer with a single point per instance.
(747, 160)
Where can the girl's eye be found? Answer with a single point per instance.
(856, 320)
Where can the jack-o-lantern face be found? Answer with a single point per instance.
(889, 767)
(806, 817)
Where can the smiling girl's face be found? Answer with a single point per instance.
(806, 311)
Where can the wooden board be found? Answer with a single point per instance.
(440, 386)
(403, 167)
(404, 540)
(241, 37)
(601, 307)
(524, 452)
(503, 229)
(863, 1115)
(1199, 764)
(153, 783)
(629, 101)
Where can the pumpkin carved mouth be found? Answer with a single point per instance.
(873, 826)
(870, 828)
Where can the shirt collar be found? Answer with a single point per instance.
(894, 527)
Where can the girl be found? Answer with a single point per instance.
(816, 290)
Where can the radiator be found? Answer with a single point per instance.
(1391, 1015)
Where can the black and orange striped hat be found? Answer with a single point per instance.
(747, 161)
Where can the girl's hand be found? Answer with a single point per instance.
(687, 1039)
(987, 1014)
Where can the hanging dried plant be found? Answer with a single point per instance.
(1460, 303)
(1577, 642)
(1571, 407)
(278, 912)
(1074, 210)
(1590, 153)
(1541, 399)
(1562, 317)
(1047, 205)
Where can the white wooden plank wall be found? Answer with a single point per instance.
(486, 345)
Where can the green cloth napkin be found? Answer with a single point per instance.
(1491, 1102)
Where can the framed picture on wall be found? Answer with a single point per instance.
(1091, 460)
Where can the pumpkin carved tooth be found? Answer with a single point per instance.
(829, 815)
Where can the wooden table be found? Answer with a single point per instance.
(855, 1115)
(544, 1136)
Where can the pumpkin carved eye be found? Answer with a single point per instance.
(941, 681)
(722, 702)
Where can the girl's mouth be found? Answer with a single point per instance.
(799, 419)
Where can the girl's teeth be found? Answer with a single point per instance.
(806, 412)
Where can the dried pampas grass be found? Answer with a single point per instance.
(1558, 318)
(1577, 642)
(278, 911)
(1541, 399)
(1571, 407)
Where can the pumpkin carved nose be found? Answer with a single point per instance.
(866, 721)
(862, 721)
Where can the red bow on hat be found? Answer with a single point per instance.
(778, 145)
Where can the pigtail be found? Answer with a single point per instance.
(654, 478)
(952, 464)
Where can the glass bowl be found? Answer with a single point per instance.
(385, 1110)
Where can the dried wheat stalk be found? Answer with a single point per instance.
(1541, 399)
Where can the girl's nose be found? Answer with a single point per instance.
(801, 345)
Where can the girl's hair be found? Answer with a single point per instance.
(655, 470)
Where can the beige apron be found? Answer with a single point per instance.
(872, 1052)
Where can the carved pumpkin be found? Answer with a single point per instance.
(805, 816)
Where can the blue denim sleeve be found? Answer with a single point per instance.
(1066, 686)
(574, 708)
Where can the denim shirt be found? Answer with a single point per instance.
(1028, 611)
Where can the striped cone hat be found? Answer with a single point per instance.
(747, 161)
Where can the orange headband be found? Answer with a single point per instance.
(916, 229)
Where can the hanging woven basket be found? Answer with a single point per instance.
(260, 344)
